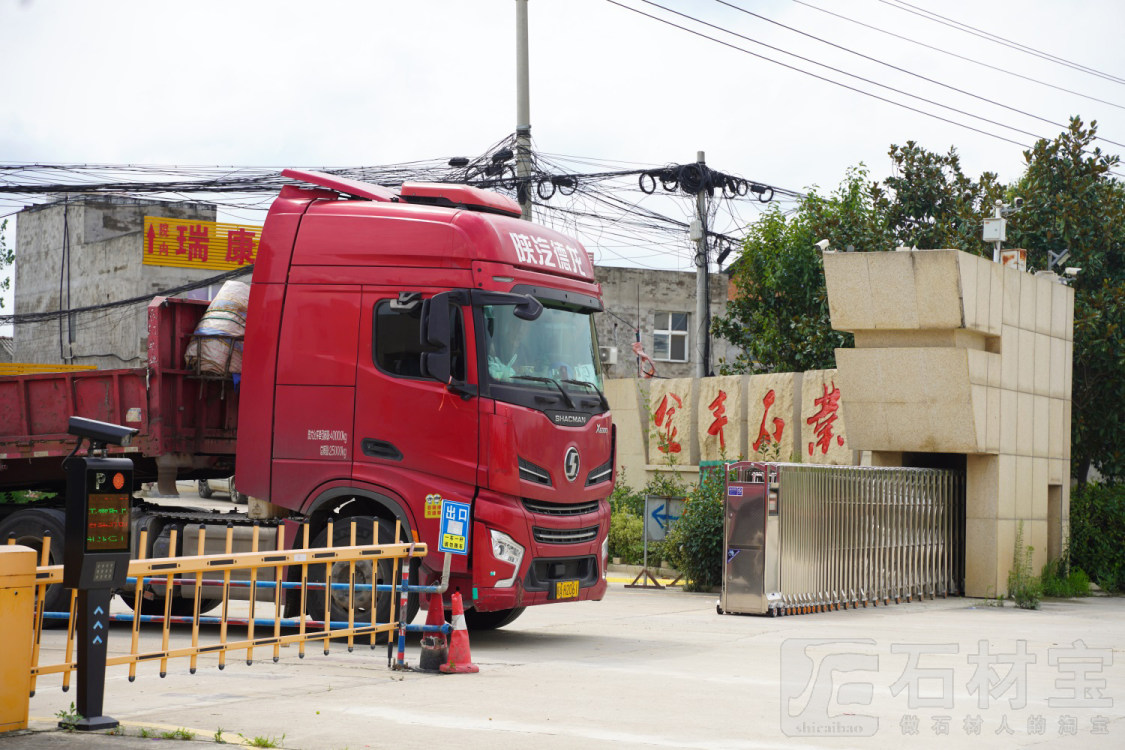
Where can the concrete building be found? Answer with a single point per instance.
(661, 304)
(85, 251)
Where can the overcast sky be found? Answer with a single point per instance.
(367, 83)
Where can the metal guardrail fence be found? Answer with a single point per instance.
(854, 535)
(264, 626)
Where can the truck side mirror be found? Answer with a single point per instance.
(434, 335)
(524, 306)
(529, 310)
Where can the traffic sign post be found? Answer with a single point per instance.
(95, 562)
(454, 536)
(660, 513)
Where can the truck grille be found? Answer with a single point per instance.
(564, 536)
(529, 472)
(544, 508)
(600, 474)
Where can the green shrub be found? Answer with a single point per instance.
(626, 540)
(1023, 587)
(694, 545)
(1097, 533)
(625, 498)
(1060, 580)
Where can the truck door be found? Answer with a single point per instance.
(410, 429)
(315, 395)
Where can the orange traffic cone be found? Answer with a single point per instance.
(460, 660)
(435, 651)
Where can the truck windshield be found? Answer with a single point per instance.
(555, 353)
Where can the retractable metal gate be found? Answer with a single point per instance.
(801, 538)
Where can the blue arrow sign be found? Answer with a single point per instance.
(661, 517)
(97, 625)
(99, 611)
(97, 639)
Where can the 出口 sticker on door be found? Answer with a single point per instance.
(333, 443)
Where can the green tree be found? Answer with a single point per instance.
(779, 315)
(7, 257)
(1073, 203)
(930, 203)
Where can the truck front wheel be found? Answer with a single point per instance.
(28, 527)
(368, 605)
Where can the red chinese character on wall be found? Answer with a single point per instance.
(778, 423)
(198, 243)
(663, 418)
(181, 240)
(822, 421)
(240, 247)
(718, 408)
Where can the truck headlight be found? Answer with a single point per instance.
(605, 556)
(505, 549)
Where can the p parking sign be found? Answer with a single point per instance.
(454, 536)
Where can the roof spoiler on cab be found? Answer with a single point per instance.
(444, 194)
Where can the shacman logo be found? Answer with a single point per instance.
(578, 419)
(571, 464)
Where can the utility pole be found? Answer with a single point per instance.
(702, 291)
(523, 112)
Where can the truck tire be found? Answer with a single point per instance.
(204, 489)
(236, 497)
(180, 607)
(28, 527)
(475, 620)
(362, 603)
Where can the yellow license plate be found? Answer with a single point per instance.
(566, 590)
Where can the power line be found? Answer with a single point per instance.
(908, 72)
(814, 75)
(995, 39)
(40, 317)
(957, 56)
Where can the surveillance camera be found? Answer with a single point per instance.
(1071, 271)
(822, 245)
(1017, 203)
(100, 432)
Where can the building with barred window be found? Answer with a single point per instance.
(661, 306)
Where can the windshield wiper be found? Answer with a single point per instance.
(594, 388)
(552, 381)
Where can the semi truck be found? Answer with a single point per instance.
(401, 349)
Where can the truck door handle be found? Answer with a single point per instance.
(381, 449)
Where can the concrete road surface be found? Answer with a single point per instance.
(661, 669)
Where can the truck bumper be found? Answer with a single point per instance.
(563, 556)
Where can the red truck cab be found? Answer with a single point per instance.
(402, 349)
